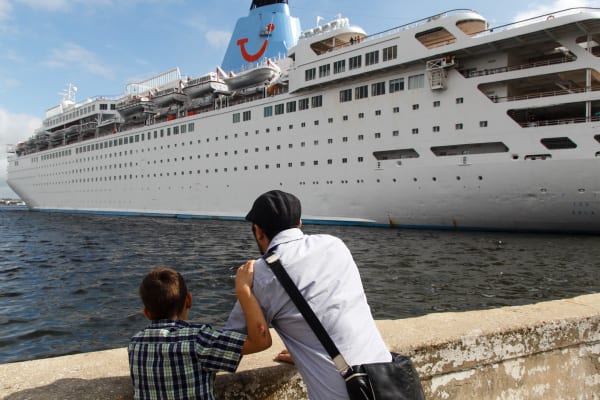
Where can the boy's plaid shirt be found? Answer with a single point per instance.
(179, 360)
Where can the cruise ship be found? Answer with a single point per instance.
(443, 123)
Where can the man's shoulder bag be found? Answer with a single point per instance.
(394, 380)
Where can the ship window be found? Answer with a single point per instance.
(396, 110)
(345, 95)
(483, 124)
(458, 127)
(278, 109)
(324, 70)
(303, 104)
(378, 89)
(378, 135)
(460, 100)
(395, 154)
(247, 115)
(361, 137)
(310, 74)
(316, 101)
(372, 58)
(378, 112)
(390, 53)
(415, 131)
(436, 128)
(558, 143)
(361, 92)
(436, 103)
(104, 106)
(236, 119)
(268, 111)
(168, 131)
(355, 62)
(535, 157)
(290, 106)
(190, 127)
(183, 130)
(395, 133)
(339, 67)
(345, 118)
(435, 38)
(470, 148)
(416, 81)
(415, 106)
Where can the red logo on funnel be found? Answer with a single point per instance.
(252, 57)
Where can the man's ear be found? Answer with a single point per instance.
(147, 313)
(258, 232)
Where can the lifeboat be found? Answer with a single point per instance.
(261, 74)
(204, 84)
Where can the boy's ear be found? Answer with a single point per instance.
(147, 313)
(188, 301)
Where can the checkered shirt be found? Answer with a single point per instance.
(178, 360)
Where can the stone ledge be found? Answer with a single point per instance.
(545, 350)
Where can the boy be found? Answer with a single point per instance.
(173, 359)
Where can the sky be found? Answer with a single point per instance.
(101, 45)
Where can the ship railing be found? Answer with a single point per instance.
(414, 24)
(539, 18)
(552, 93)
(562, 121)
(499, 70)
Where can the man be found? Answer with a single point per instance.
(324, 271)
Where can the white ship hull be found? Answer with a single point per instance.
(451, 158)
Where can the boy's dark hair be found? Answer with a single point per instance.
(163, 292)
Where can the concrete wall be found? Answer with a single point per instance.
(544, 351)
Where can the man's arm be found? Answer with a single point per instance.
(259, 337)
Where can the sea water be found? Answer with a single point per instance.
(69, 282)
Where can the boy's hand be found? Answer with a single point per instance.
(244, 278)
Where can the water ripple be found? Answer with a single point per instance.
(69, 283)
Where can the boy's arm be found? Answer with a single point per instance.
(259, 337)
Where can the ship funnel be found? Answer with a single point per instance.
(267, 32)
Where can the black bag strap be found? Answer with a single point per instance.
(274, 263)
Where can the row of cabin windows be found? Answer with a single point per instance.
(355, 62)
(78, 113)
(379, 88)
(289, 107)
(175, 130)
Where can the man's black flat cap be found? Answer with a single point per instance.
(275, 211)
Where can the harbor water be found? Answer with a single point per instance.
(68, 282)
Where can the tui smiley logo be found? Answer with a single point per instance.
(251, 57)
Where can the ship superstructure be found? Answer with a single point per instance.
(441, 123)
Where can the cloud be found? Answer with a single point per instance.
(536, 10)
(218, 39)
(5, 9)
(72, 54)
(14, 128)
